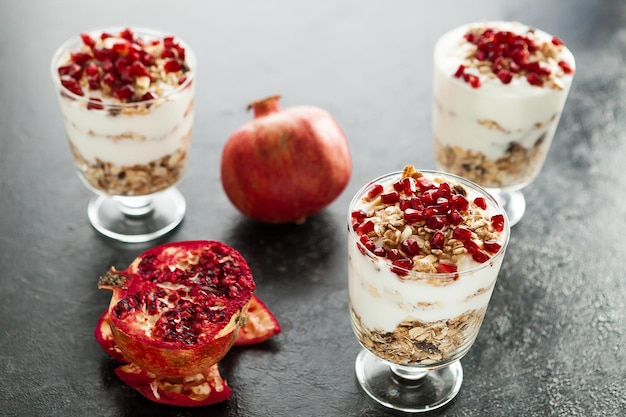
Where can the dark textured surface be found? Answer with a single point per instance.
(553, 343)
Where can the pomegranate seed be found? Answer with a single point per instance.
(428, 197)
(505, 76)
(444, 191)
(413, 216)
(481, 202)
(567, 69)
(148, 96)
(367, 242)
(443, 204)
(455, 218)
(437, 240)
(168, 53)
(95, 104)
(459, 202)
(139, 69)
(410, 247)
(108, 78)
(397, 185)
(358, 215)
(88, 40)
(375, 191)
(433, 211)
(424, 184)
(127, 34)
(72, 85)
(436, 222)
(497, 221)
(402, 266)
(471, 246)
(534, 79)
(171, 66)
(480, 257)
(472, 80)
(393, 254)
(381, 252)
(80, 57)
(366, 228)
(459, 71)
(491, 246)
(446, 268)
(557, 41)
(390, 198)
(124, 93)
(462, 234)
(409, 187)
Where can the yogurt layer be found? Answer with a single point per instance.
(475, 125)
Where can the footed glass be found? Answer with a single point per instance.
(414, 326)
(130, 150)
(499, 89)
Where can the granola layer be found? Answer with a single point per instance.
(414, 342)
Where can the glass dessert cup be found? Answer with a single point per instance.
(494, 114)
(130, 152)
(415, 327)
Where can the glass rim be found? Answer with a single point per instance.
(431, 275)
(66, 46)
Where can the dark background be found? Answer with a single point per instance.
(553, 340)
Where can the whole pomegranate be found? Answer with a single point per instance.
(285, 165)
(176, 310)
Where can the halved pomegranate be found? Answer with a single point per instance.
(260, 325)
(193, 272)
(177, 308)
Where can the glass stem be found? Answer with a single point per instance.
(408, 373)
(135, 207)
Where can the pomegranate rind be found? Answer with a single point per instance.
(132, 332)
(204, 388)
(104, 337)
(260, 326)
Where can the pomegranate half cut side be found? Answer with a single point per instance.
(176, 310)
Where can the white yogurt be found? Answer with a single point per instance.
(522, 112)
(382, 299)
(129, 139)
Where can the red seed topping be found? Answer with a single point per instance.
(481, 202)
(390, 198)
(497, 221)
(437, 212)
(121, 63)
(446, 268)
(480, 257)
(437, 240)
(509, 54)
(491, 246)
(375, 191)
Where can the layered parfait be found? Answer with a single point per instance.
(499, 89)
(424, 251)
(126, 99)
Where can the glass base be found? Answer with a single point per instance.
(513, 203)
(137, 219)
(404, 388)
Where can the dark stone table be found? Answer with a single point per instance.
(553, 341)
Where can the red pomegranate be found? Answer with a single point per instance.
(175, 311)
(285, 165)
